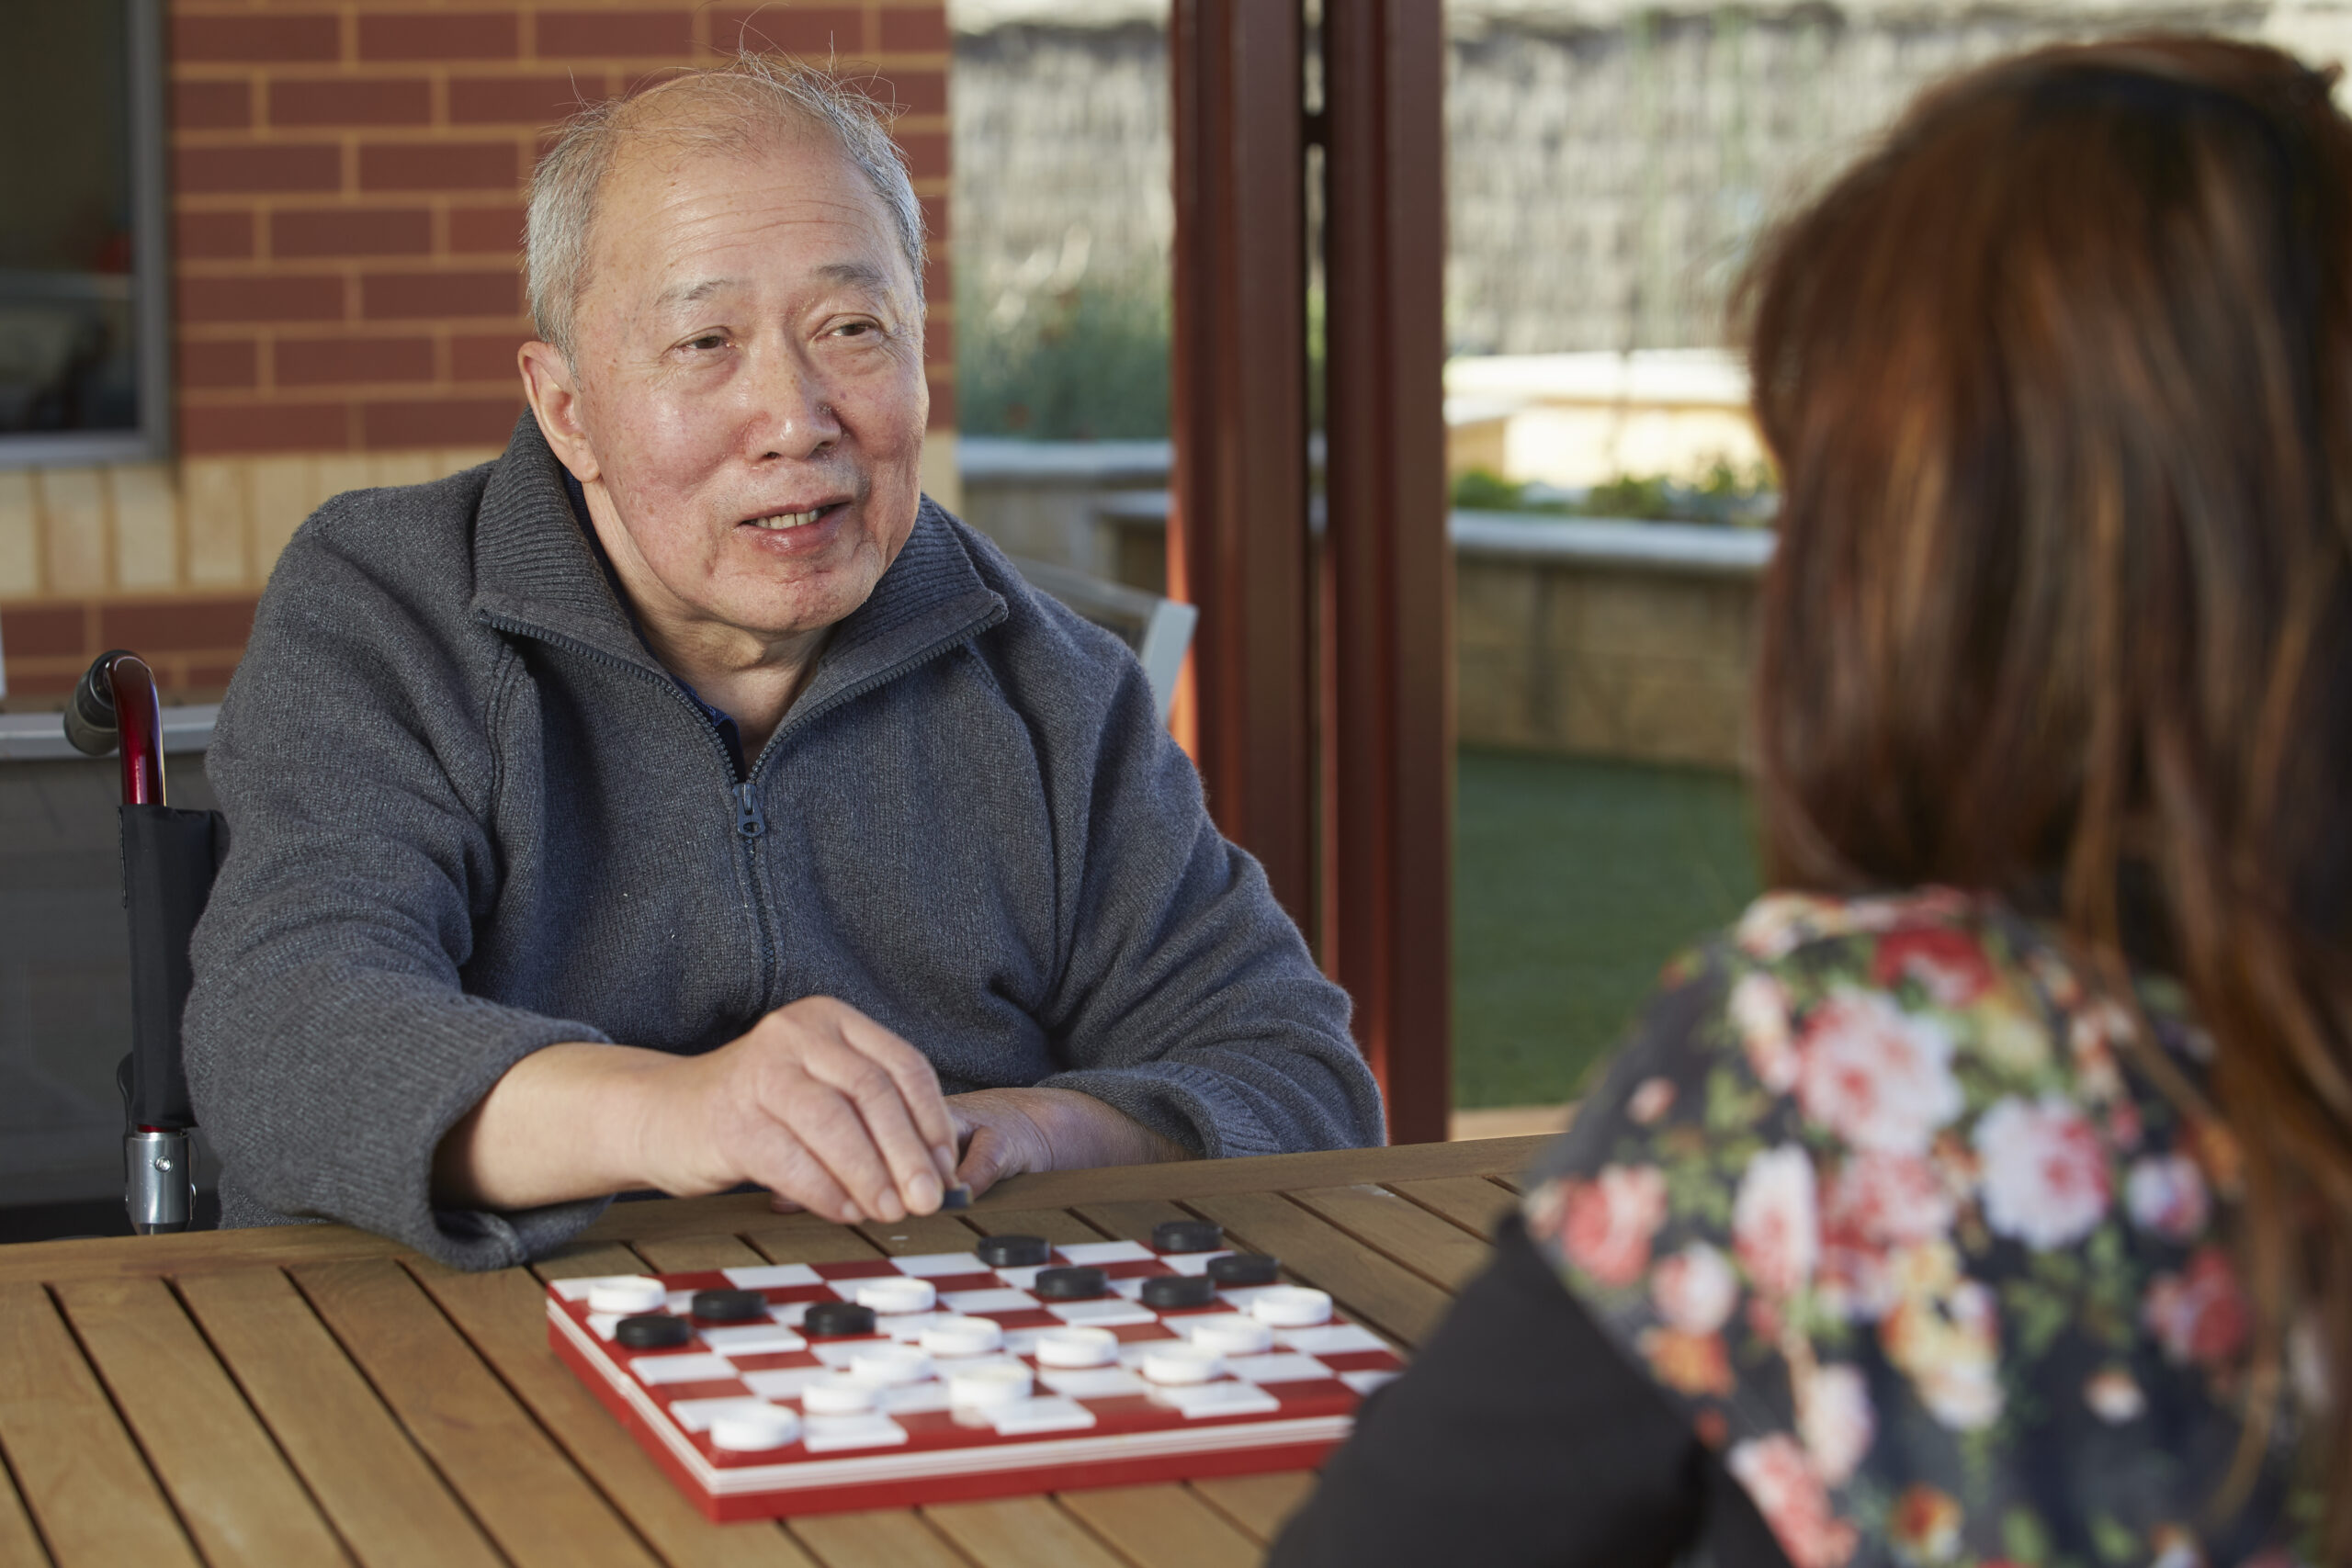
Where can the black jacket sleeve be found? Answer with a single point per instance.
(1521, 1436)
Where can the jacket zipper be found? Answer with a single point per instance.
(742, 800)
(750, 824)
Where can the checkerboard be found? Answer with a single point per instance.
(1113, 1423)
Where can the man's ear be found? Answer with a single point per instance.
(554, 394)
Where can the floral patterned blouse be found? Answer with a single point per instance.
(1879, 1198)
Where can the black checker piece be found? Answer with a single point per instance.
(728, 1306)
(1187, 1236)
(833, 1320)
(1070, 1284)
(1244, 1269)
(1013, 1251)
(1179, 1291)
(653, 1331)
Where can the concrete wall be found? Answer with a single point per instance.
(1603, 638)
(1645, 659)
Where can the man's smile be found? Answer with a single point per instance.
(787, 518)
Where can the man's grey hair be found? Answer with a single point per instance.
(739, 105)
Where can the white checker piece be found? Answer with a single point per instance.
(1331, 1340)
(1192, 1323)
(652, 1369)
(1192, 1262)
(696, 1415)
(906, 1327)
(772, 1277)
(827, 1434)
(1198, 1400)
(577, 1290)
(1239, 1299)
(1277, 1368)
(1093, 1382)
(753, 1339)
(1023, 1416)
(1102, 1313)
(1093, 1254)
(966, 1302)
(933, 1265)
(779, 1383)
(1365, 1381)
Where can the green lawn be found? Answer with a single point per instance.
(1573, 882)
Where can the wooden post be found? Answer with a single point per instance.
(1380, 725)
(1237, 544)
(1392, 566)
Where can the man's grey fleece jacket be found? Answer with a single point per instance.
(470, 816)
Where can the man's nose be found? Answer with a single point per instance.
(791, 412)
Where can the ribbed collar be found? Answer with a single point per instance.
(534, 572)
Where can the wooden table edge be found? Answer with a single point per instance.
(53, 1262)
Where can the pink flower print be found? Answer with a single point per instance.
(1793, 1503)
(1609, 1220)
(1650, 1101)
(1695, 1289)
(2046, 1181)
(1877, 1076)
(2199, 1315)
(1948, 964)
(1759, 1011)
(2165, 1195)
(1836, 1419)
(1878, 1203)
(1775, 1224)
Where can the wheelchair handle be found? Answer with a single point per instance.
(114, 704)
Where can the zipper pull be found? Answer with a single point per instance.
(747, 821)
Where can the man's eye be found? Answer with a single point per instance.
(855, 329)
(707, 340)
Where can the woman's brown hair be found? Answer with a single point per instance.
(2059, 382)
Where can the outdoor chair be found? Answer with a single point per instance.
(1157, 629)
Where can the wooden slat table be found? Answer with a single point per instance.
(317, 1394)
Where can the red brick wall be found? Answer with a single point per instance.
(347, 188)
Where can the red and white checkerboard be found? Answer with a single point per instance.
(1105, 1425)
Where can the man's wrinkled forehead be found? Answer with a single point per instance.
(676, 191)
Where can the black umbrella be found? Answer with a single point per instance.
(168, 860)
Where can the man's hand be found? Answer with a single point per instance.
(1004, 1132)
(816, 1102)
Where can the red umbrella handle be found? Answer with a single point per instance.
(138, 720)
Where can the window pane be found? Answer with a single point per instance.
(68, 347)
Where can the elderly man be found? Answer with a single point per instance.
(682, 801)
